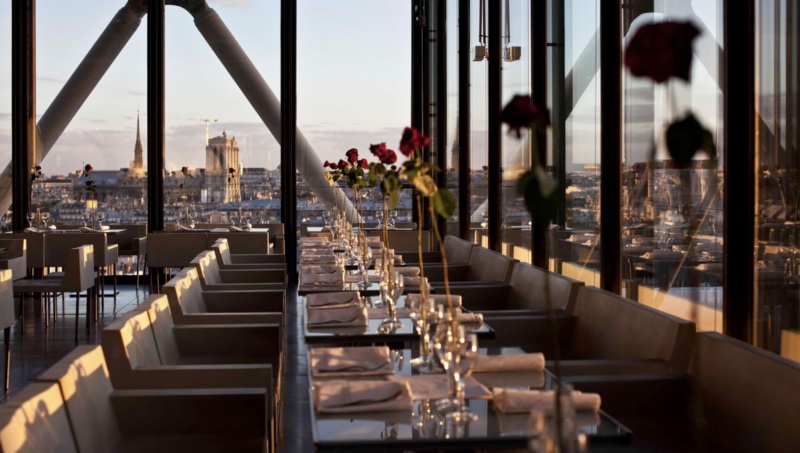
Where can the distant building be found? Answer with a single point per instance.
(137, 166)
(222, 185)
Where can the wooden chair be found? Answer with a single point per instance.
(105, 255)
(79, 276)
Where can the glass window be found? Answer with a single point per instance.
(479, 126)
(5, 116)
(778, 188)
(353, 90)
(574, 78)
(452, 147)
(222, 134)
(673, 217)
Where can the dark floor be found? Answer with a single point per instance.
(38, 347)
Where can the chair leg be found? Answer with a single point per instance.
(7, 339)
(89, 315)
(47, 310)
(137, 273)
(114, 269)
(77, 313)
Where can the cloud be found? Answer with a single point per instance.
(236, 4)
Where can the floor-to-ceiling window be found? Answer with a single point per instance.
(353, 91)
(574, 78)
(777, 325)
(223, 113)
(479, 176)
(5, 112)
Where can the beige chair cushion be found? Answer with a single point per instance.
(35, 420)
(85, 386)
(34, 248)
(184, 293)
(457, 249)
(207, 268)
(749, 396)
(252, 242)
(7, 316)
(157, 308)
(128, 344)
(489, 266)
(173, 249)
(610, 326)
(528, 289)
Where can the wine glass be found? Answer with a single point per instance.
(393, 215)
(100, 218)
(45, 218)
(379, 216)
(85, 216)
(31, 217)
(326, 216)
(192, 219)
(233, 216)
(248, 215)
(424, 316)
(458, 354)
(391, 290)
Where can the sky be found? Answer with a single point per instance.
(353, 80)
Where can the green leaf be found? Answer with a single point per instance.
(541, 196)
(444, 203)
(394, 198)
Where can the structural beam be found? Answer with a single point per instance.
(155, 115)
(23, 110)
(289, 132)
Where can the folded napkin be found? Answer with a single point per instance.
(305, 240)
(362, 361)
(318, 259)
(413, 300)
(408, 271)
(53, 227)
(413, 281)
(515, 362)
(375, 244)
(320, 269)
(235, 228)
(347, 397)
(32, 230)
(332, 299)
(434, 386)
(470, 318)
(515, 401)
(321, 279)
(346, 315)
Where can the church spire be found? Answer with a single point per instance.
(138, 152)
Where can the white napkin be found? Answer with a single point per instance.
(515, 401)
(235, 228)
(322, 279)
(434, 386)
(408, 271)
(347, 397)
(362, 361)
(317, 259)
(414, 300)
(346, 315)
(320, 300)
(413, 281)
(470, 318)
(320, 269)
(313, 239)
(32, 230)
(514, 362)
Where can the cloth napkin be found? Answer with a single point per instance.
(408, 271)
(515, 362)
(317, 259)
(362, 361)
(414, 300)
(347, 397)
(434, 386)
(235, 228)
(321, 279)
(320, 269)
(515, 401)
(470, 318)
(320, 300)
(343, 316)
(32, 230)
(307, 240)
(414, 281)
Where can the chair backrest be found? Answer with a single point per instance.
(14, 248)
(184, 293)
(7, 316)
(157, 308)
(243, 242)
(405, 241)
(609, 326)
(128, 343)
(489, 266)
(749, 395)
(209, 226)
(125, 239)
(58, 244)
(174, 249)
(34, 248)
(15, 257)
(79, 268)
(457, 249)
(405, 225)
(223, 252)
(35, 420)
(528, 289)
(207, 268)
(83, 378)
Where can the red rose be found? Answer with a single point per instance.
(352, 155)
(389, 157)
(378, 150)
(38, 167)
(326, 164)
(184, 170)
(662, 50)
(364, 163)
(412, 139)
(87, 168)
(332, 165)
(231, 170)
(394, 167)
(343, 163)
(485, 168)
(522, 112)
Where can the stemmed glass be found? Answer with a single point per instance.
(423, 316)
(100, 218)
(458, 354)
(393, 216)
(363, 266)
(248, 216)
(85, 216)
(326, 216)
(379, 216)
(45, 218)
(192, 219)
(391, 290)
(31, 217)
(233, 216)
